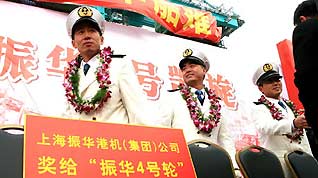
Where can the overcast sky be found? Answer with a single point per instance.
(267, 22)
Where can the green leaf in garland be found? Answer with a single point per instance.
(72, 84)
(99, 96)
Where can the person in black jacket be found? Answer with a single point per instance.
(305, 49)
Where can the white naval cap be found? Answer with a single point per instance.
(195, 56)
(85, 13)
(265, 72)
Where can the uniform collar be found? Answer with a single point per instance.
(93, 62)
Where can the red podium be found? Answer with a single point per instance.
(56, 147)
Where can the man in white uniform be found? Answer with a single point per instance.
(195, 108)
(101, 85)
(280, 126)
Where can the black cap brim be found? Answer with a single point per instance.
(85, 20)
(267, 76)
(191, 59)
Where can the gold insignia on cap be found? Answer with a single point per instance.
(267, 67)
(85, 12)
(187, 52)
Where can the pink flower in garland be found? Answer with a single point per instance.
(203, 124)
(277, 114)
(71, 84)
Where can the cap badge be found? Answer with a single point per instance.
(85, 12)
(267, 67)
(187, 52)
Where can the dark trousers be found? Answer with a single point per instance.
(311, 115)
(313, 142)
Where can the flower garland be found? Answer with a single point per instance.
(203, 124)
(72, 78)
(277, 114)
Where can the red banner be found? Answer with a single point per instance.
(285, 51)
(181, 20)
(67, 148)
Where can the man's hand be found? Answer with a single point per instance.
(301, 122)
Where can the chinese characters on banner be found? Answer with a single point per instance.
(181, 20)
(18, 60)
(24, 68)
(93, 149)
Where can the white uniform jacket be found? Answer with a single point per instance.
(179, 117)
(127, 103)
(271, 131)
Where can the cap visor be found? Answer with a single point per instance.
(86, 20)
(266, 77)
(273, 75)
(191, 59)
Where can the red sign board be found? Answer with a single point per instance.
(56, 147)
